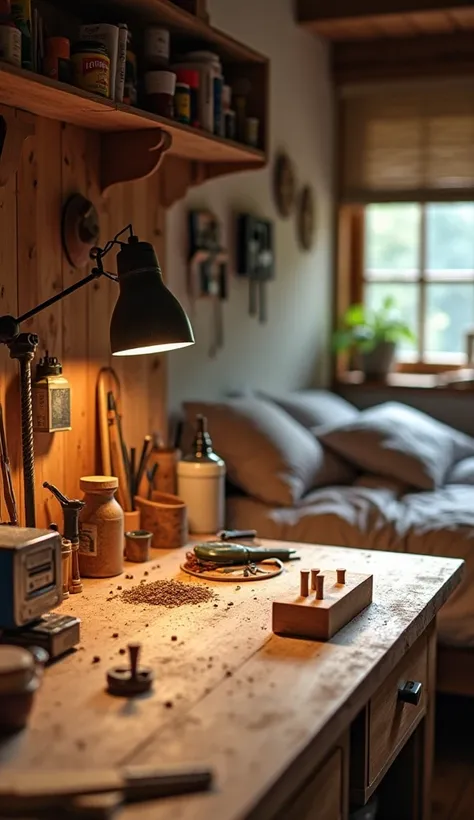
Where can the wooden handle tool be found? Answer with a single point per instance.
(40, 791)
(8, 491)
(118, 464)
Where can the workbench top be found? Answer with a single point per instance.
(260, 710)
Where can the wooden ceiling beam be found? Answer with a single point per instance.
(314, 11)
(410, 57)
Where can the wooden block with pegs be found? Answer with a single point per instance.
(340, 596)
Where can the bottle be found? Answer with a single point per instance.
(201, 483)
(101, 537)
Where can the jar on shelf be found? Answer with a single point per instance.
(156, 47)
(159, 89)
(91, 67)
(101, 530)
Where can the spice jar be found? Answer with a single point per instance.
(20, 676)
(159, 88)
(190, 77)
(91, 67)
(182, 103)
(100, 528)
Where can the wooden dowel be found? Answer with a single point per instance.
(320, 587)
(103, 424)
(314, 574)
(304, 583)
(341, 576)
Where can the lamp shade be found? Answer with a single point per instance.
(147, 317)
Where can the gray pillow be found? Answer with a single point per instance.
(312, 408)
(268, 455)
(462, 472)
(397, 441)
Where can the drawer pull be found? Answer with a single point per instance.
(410, 692)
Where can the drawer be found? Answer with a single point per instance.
(321, 798)
(380, 731)
(391, 721)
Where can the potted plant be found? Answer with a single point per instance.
(372, 337)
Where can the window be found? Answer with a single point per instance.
(423, 256)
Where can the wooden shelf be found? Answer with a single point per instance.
(178, 21)
(59, 101)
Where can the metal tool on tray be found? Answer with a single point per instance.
(225, 553)
(236, 535)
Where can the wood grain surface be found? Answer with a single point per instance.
(228, 692)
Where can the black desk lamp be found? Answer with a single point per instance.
(146, 319)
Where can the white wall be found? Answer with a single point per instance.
(291, 350)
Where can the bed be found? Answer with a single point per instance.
(309, 467)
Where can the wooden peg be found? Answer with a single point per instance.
(314, 574)
(341, 576)
(133, 653)
(320, 587)
(304, 583)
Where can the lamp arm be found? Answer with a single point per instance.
(96, 273)
(10, 327)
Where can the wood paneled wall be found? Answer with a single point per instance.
(58, 161)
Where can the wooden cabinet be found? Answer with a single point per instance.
(322, 797)
(387, 722)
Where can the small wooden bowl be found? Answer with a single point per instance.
(166, 516)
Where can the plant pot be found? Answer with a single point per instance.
(377, 364)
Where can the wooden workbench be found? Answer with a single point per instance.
(266, 713)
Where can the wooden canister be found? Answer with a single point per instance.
(165, 516)
(101, 543)
(165, 481)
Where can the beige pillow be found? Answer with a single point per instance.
(268, 455)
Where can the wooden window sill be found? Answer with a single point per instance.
(411, 381)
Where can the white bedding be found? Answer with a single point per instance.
(375, 514)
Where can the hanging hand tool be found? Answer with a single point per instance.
(8, 491)
(106, 380)
(227, 554)
(119, 466)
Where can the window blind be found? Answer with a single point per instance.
(406, 142)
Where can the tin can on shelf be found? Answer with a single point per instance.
(107, 35)
(10, 44)
(91, 67)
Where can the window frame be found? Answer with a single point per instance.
(351, 279)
